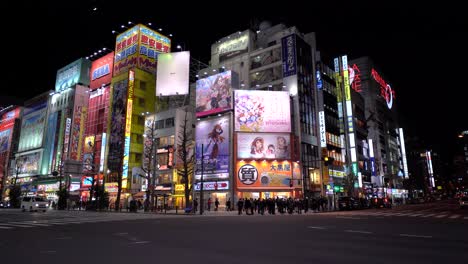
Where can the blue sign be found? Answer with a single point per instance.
(101, 71)
(319, 80)
(288, 45)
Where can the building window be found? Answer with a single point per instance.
(159, 124)
(169, 122)
(141, 102)
(142, 85)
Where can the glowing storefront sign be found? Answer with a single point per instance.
(103, 148)
(128, 128)
(288, 46)
(75, 72)
(213, 186)
(403, 152)
(386, 90)
(323, 138)
(355, 78)
(236, 45)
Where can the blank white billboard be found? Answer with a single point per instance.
(173, 73)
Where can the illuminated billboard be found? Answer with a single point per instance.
(32, 127)
(116, 125)
(128, 128)
(88, 144)
(288, 46)
(28, 163)
(139, 47)
(77, 130)
(74, 73)
(173, 73)
(4, 140)
(101, 71)
(214, 93)
(267, 174)
(263, 146)
(235, 45)
(213, 135)
(262, 111)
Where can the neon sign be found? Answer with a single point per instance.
(128, 127)
(386, 90)
(355, 78)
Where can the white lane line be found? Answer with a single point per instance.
(120, 234)
(440, 216)
(429, 215)
(414, 215)
(16, 225)
(418, 236)
(140, 242)
(454, 216)
(6, 227)
(347, 217)
(316, 227)
(466, 217)
(358, 231)
(48, 251)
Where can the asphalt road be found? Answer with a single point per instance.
(314, 238)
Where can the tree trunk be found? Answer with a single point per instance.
(119, 192)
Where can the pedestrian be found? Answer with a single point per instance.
(216, 204)
(240, 205)
(228, 205)
(195, 205)
(209, 204)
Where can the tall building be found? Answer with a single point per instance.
(277, 59)
(385, 136)
(132, 93)
(10, 120)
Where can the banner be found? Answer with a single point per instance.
(263, 146)
(214, 94)
(267, 174)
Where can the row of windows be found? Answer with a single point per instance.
(164, 123)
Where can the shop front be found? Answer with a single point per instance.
(214, 190)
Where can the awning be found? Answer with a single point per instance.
(139, 195)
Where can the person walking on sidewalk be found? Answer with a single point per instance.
(216, 204)
(209, 204)
(240, 205)
(195, 205)
(228, 205)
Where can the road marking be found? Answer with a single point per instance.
(454, 216)
(414, 215)
(48, 251)
(358, 231)
(140, 242)
(16, 225)
(120, 234)
(316, 227)
(440, 216)
(429, 215)
(6, 227)
(408, 235)
(347, 217)
(466, 217)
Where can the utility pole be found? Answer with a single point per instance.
(201, 184)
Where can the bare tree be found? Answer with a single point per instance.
(348, 183)
(185, 153)
(150, 161)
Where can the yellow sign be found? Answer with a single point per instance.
(346, 86)
(179, 188)
(89, 144)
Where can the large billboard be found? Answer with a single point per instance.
(73, 73)
(214, 93)
(5, 139)
(77, 130)
(139, 47)
(28, 164)
(173, 73)
(262, 111)
(213, 135)
(32, 127)
(116, 125)
(267, 174)
(235, 45)
(263, 146)
(101, 71)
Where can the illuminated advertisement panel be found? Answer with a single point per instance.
(73, 73)
(28, 164)
(263, 146)
(32, 127)
(262, 111)
(103, 152)
(88, 144)
(323, 132)
(213, 135)
(386, 90)
(267, 174)
(212, 185)
(111, 187)
(77, 130)
(101, 71)
(116, 125)
(66, 140)
(288, 46)
(88, 163)
(5, 139)
(214, 93)
(173, 73)
(151, 44)
(128, 128)
(7, 120)
(234, 46)
(126, 51)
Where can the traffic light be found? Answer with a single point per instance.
(328, 160)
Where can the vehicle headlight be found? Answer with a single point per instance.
(47, 205)
(37, 205)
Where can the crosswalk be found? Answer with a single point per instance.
(410, 213)
(7, 225)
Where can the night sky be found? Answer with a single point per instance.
(421, 51)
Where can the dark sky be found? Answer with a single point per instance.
(421, 50)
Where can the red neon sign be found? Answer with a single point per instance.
(386, 90)
(355, 78)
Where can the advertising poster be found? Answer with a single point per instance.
(29, 163)
(151, 44)
(4, 140)
(32, 127)
(262, 111)
(101, 71)
(213, 134)
(88, 144)
(126, 51)
(88, 163)
(288, 47)
(234, 46)
(173, 73)
(7, 120)
(267, 174)
(263, 146)
(77, 132)
(117, 125)
(214, 94)
(73, 73)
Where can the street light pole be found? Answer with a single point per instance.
(201, 183)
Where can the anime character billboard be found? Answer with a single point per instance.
(213, 135)
(263, 146)
(262, 111)
(214, 93)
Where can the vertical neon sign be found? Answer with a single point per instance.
(128, 128)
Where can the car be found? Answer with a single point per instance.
(34, 203)
(4, 204)
(463, 202)
(348, 203)
(381, 203)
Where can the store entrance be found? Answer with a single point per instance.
(221, 198)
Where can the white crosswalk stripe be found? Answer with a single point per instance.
(409, 213)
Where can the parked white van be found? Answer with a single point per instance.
(34, 203)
